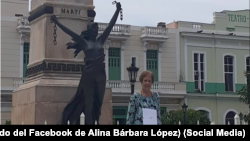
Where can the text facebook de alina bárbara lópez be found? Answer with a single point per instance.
(122, 132)
(91, 132)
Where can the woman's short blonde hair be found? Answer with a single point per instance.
(146, 73)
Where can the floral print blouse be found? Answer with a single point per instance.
(137, 102)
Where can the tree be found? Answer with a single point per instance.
(192, 116)
(8, 122)
(244, 93)
(246, 118)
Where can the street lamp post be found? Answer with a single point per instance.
(132, 73)
(184, 110)
(241, 118)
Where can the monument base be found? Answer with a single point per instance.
(44, 100)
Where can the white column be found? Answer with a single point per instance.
(186, 62)
(22, 37)
(178, 55)
(107, 58)
(122, 59)
(185, 99)
(145, 55)
(30, 5)
(159, 61)
(236, 119)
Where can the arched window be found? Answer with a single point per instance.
(248, 64)
(230, 118)
(229, 73)
(199, 71)
(206, 112)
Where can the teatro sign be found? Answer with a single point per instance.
(237, 18)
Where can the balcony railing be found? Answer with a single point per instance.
(118, 28)
(124, 86)
(119, 86)
(163, 86)
(11, 83)
(154, 31)
(23, 23)
(18, 82)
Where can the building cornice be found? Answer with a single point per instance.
(217, 36)
(219, 32)
(213, 95)
(153, 38)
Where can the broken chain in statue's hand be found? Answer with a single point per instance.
(121, 16)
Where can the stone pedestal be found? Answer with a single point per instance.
(43, 100)
(107, 109)
(53, 73)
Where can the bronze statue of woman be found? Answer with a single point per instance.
(91, 89)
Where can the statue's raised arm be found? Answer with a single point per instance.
(74, 36)
(112, 22)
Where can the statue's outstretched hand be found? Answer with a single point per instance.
(118, 6)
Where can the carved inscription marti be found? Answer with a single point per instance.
(71, 11)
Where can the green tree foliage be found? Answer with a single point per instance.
(192, 116)
(244, 93)
(246, 118)
(7, 122)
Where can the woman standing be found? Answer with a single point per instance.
(143, 99)
(90, 92)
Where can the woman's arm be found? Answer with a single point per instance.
(75, 37)
(131, 111)
(112, 22)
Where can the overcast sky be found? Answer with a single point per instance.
(150, 12)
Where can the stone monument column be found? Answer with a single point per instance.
(53, 73)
